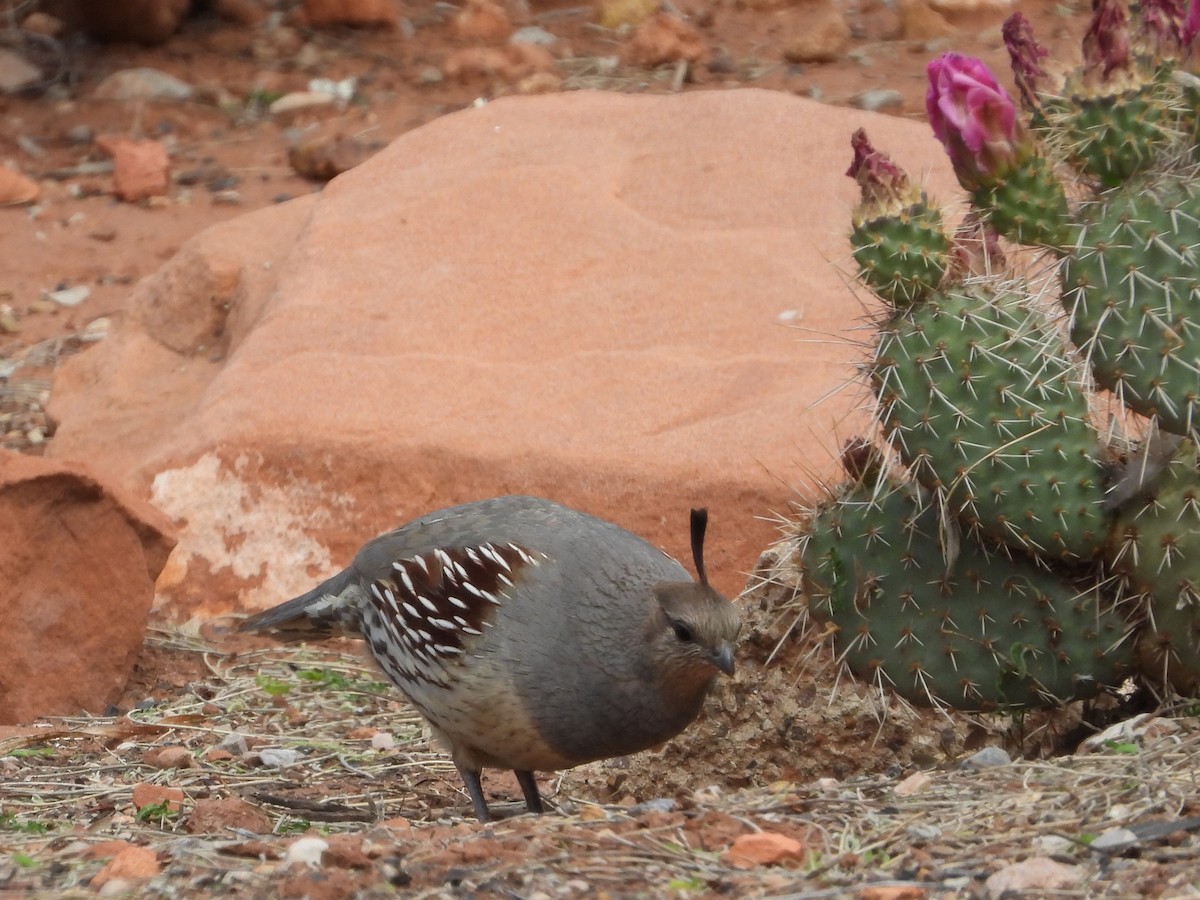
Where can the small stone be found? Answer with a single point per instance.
(920, 22)
(68, 296)
(878, 99)
(130, 864)
(1031, 877)
(306, 851)
(227, 198)
(141, 169)
(368, 13)
(540, 83)
(44, 24)
(825, 39)
(16, 72)
(617, 13)
(240, 12)
(16, 189)
(1115, 839)
(485, 21)
(81, 134)
(663, 39)
(915, 783)
(278, 757)
(298, 101)
(763, 848)
(220, 816)
(986, 758)
(658, 804)
(146, 794)
(533, 34)
(173, 758)
(383, 740)
(430, 75)
(235, 743)
(143, 84)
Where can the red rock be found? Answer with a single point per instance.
(105, 849)
(43, 23)
(171, 758)
(241, 12)
(78, 561)
(901, 892)
(483, 20)
(16, 189)
(369, 13)
(509, 64)
(141, 169)
(763, 848)
(225, 815)
(146, 794)
(662, 39)
(825, 36)
(141, 21)
(132, 863)
(575, 295)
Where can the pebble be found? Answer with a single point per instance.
(298, 100)
(658, 804)
(16, 72)
(880, 98)
(227, 197)
(143, 84)
(69, 296)
(81, 134)
(278, 758)
(533, 34)
(986, 758)
(235, 743)
(306, 851)
(431, 75)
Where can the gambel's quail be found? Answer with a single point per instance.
(530, 635)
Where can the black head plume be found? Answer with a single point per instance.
(699, 525)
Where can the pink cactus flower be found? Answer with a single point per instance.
(974, 118)
(885, 186)
(1106, 44)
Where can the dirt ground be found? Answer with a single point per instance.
(787, 787)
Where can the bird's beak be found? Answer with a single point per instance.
(723, 659)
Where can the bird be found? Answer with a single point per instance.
(531, 636)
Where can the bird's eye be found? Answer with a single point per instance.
(683, 632)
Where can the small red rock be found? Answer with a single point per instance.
(132, 863)
(145, 794)
(763, 848)
(16, 189)
(171, 758)
(141, 169)
(241, 12)
(371, 13)
(663, 39)
(217, 754)
(483, 20)
(509, 64)
(220, 816)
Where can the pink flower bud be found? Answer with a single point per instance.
(1026, 55)
(974, 118)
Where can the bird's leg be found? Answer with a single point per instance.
(470, 778)
(529, 787)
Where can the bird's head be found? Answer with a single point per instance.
(696, 627)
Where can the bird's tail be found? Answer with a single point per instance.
(331, 609)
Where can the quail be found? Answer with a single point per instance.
(531, 636)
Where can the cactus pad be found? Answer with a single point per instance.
(979, 397)
(976, 632)
(1132, 286)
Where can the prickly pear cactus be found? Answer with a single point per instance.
(986, 408)
(1020, 557)
(977, 631)
(1156, 547)
(1131, 283)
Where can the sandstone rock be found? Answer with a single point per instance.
(16, 189)
(78, 563)
(368, 13)
(141, 169)
(575, 295)
(824, 37)
(241, 12)
(763, 848)
(141, 21)
(919, 21)
(483, 20)
(130, 864)
(226, 816)
(16, 72)
(616, 13)
(663, 39)
(143, 83)
(44, 24)
(510, 64)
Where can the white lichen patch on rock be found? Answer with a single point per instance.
(241, 526)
